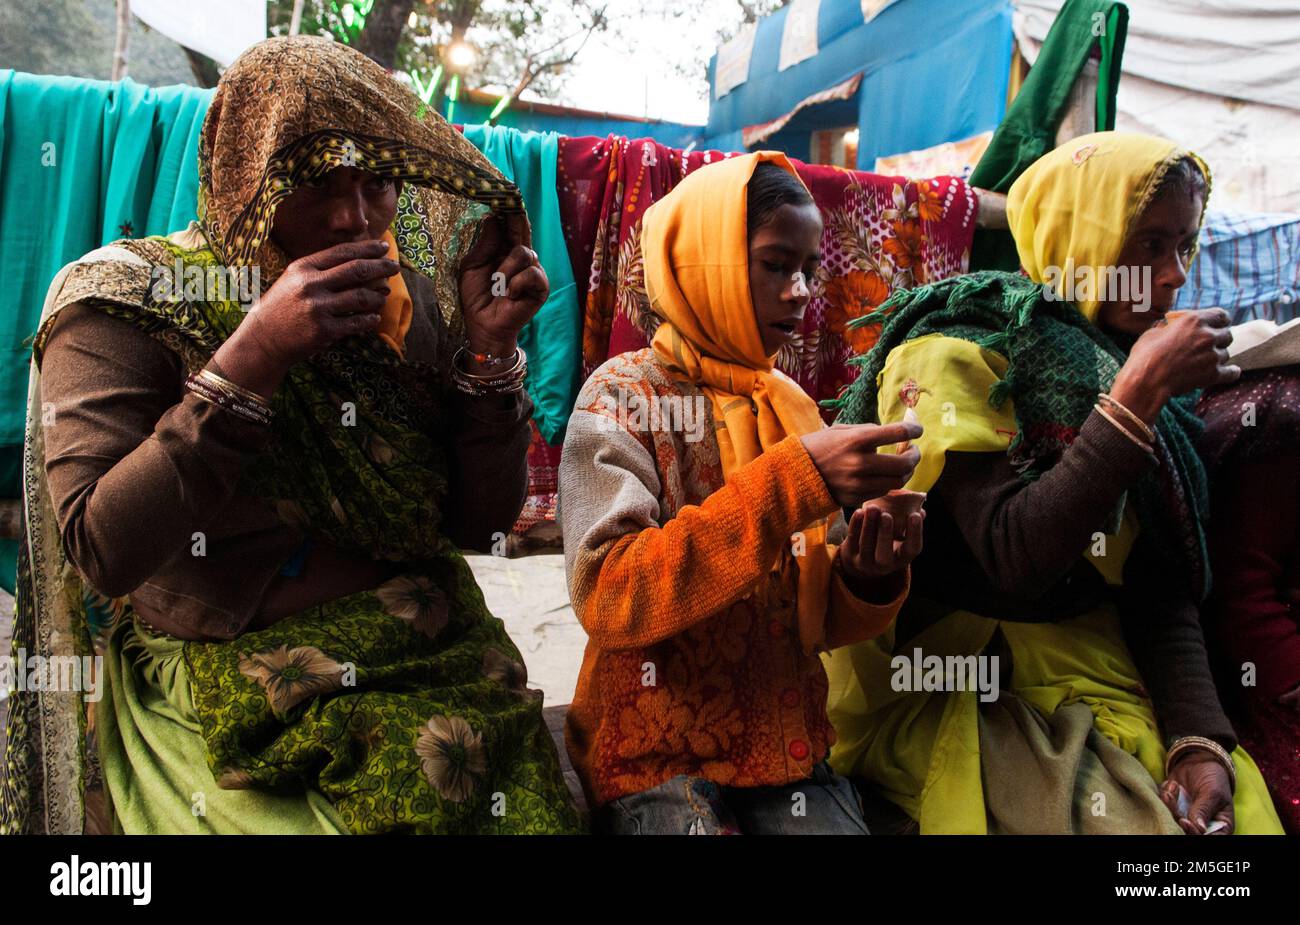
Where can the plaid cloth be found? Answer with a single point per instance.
(1249, 264)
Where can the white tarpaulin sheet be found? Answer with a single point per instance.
(872, 8)
(219, 30)
(1244, 49)
(1213, 76)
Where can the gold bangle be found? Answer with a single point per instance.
(1186, 743)
(226, 385)
(1124, 430)
(1142, 425)
(258, 412)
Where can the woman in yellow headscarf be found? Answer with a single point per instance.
(1049, 669)
(696, 488)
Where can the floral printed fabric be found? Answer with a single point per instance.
(882, 234)
(407, 706)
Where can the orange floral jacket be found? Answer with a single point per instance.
(693, 665)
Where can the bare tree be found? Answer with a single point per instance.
(383, 30)
(554, 57)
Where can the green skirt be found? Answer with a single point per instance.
(403, 709)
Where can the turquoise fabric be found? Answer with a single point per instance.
(553, 339)
(82, 163)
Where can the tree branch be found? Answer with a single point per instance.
(383, 30)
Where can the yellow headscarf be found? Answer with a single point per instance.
(1075, 206)
(695, 244)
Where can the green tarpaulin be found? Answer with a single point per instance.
(1028, 131)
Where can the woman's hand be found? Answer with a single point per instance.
(318, 301)
(871, 550)
(854, 472)
(1186, 351)
(502, 285)
(1200, 778)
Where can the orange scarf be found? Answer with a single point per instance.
(696, 250)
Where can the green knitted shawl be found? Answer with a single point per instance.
(1058, 362)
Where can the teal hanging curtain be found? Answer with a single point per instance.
(82, 163)
(553, 339)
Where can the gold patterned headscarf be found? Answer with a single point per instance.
(289, 110)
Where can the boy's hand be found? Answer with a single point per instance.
(870, 550)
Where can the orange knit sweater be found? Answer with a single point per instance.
(693, 664)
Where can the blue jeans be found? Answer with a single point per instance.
(824, 804)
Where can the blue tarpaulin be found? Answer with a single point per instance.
(933, 71)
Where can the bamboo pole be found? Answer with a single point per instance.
(121, 47)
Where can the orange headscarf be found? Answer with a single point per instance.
(695, 245)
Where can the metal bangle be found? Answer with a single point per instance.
(1124, 430)
(1187, 743)
(225, 384)
(520, 361)
(1123, 411)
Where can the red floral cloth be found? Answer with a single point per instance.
(605, 186)
(882, 234)
(543, 483)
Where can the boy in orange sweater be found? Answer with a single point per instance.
(699, 495)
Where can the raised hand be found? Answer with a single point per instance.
(854, 472)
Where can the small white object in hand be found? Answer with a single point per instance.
(909, 417)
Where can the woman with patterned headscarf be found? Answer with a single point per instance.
(1066, 548)
(268, 437)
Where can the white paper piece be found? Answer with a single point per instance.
(222, 31)
(799, 37)
(1261, 344)
(871, 8)
(733, 61)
